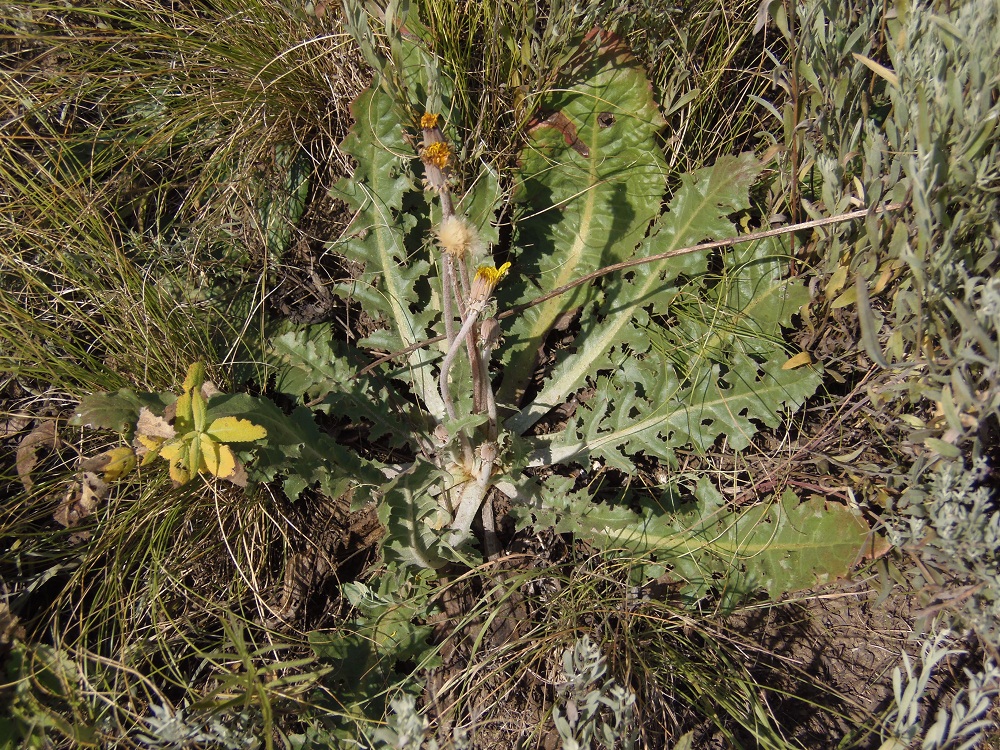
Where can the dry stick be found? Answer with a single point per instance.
(752, 237)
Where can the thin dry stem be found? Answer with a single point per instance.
(594, 275)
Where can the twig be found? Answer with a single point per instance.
(593, 275)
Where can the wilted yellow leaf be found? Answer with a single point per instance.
(799, 360)
(179, 473)
(149, 448)
(217, 459)
(120, 462)
(235, 430)
(176, 452)
(878, 69)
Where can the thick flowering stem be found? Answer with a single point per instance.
(449, 358)
(447, 296)
(482, 287)
(473, 495)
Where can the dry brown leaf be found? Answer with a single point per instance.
(13, 425)
(43, 436)
(81, 500)
(153, 426)
(239, 475)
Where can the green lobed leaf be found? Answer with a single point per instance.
(295, 446)
(593, 178)
(415, 519)
(716, 371)
(697, 212)
(310, 363)
(778, 546)
(390, 288)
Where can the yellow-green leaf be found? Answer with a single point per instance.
(185, 416)
(847, 298)
(198, 408)
(799, 360)
(217, 459)
(176, 452)
(195, 377)
(235, 430)
(837, 281)
(173, 450)
(179, 473)
(120, 462)
(183, 419)
(152, 446)
(195, 460)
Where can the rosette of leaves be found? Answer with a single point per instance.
(192, 444)
(234, 436)
(668, 355)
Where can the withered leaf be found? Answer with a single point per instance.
(13, 425)
(81, 500)
(153, 426)
(43, 436)
(239, 475)
(114, 464)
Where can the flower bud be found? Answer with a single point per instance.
(484, 283)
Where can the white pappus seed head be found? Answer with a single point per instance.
(458, 237)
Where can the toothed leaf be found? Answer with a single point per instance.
(592, 175)
(312, 365)
(392, 285)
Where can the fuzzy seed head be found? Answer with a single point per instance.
(458, 237)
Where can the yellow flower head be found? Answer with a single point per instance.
(429, 120)
(485, 282)
(437, 154)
